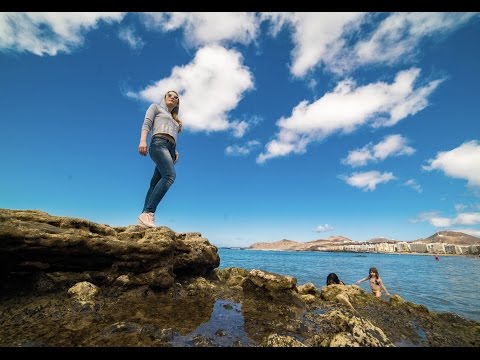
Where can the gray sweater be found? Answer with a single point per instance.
(159, 120)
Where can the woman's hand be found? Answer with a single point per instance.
(176, 157)
(142, 148)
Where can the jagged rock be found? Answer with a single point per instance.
(308, 288)
(309, 299)
(330, 292)
(200, 286)
(151, 296)
(232, 276)
(84, 292)
(272, 287)
(356, 332)
(396, 300)
(275, 340)
(270, 281)
(69, 250)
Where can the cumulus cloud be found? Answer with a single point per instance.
(207, 28)
(323, 228)
(342, 42)
(209, 87)
(392, 145)
(463, 218)
(414, 185)
(242, 150)
(368, 180)
(399, 35)
(473, 232)
(346, 108)
(462, 162)
(317, 37)
(128, 35)
(49, 33)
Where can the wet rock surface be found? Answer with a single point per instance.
(156, 287)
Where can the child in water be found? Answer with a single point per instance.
(376, 284)
(333, 279)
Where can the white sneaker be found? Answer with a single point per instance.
(147, 219)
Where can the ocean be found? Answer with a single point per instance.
(451, 284)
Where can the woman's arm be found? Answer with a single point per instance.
(383, 287)
(361, 280)
(142, 147)
(146, 128)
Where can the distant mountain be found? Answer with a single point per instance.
(446, 237)
(301, 246)
(378, 240)
(450, 237)
(277, 245)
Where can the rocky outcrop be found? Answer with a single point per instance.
(69, 250)
(70, 282)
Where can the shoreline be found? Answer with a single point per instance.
(357, 252)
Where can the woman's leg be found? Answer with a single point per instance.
(155, 178)
(161, 155)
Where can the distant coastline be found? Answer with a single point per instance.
(353, 252)
(440, 243)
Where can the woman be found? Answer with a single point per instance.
(376, 284)
(163, 122)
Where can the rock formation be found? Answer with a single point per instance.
(72, 282)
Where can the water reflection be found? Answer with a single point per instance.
(224, 328)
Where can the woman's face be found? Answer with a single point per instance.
(171, 99)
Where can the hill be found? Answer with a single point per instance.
(450, 237)
(446, 237)
(300, 246)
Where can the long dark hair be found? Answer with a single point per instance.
(375, 271)
(332, 278)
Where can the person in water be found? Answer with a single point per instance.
(376, 284)
(332, 279)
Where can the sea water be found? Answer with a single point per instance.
(451, 284)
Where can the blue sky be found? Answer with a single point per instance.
(296, 126)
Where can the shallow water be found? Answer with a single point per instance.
(451, 284)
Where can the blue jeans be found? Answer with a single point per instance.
(162, 153)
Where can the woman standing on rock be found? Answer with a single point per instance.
(376, 284)
(163, 122)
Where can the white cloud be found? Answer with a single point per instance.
(414, 185)
(346, 108)
(340, 43)
(323, 228)
(399, 35)
(317, 36)
(49, 33)
(207, 28)
(473, 232)
(209, 87)
(464, 218)
(242, 150)
(440, 222)
(128, 35)
(462, 162)
(368, 180)
(359, 157)
(392, 145)
(470, 218)
(460, 207)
